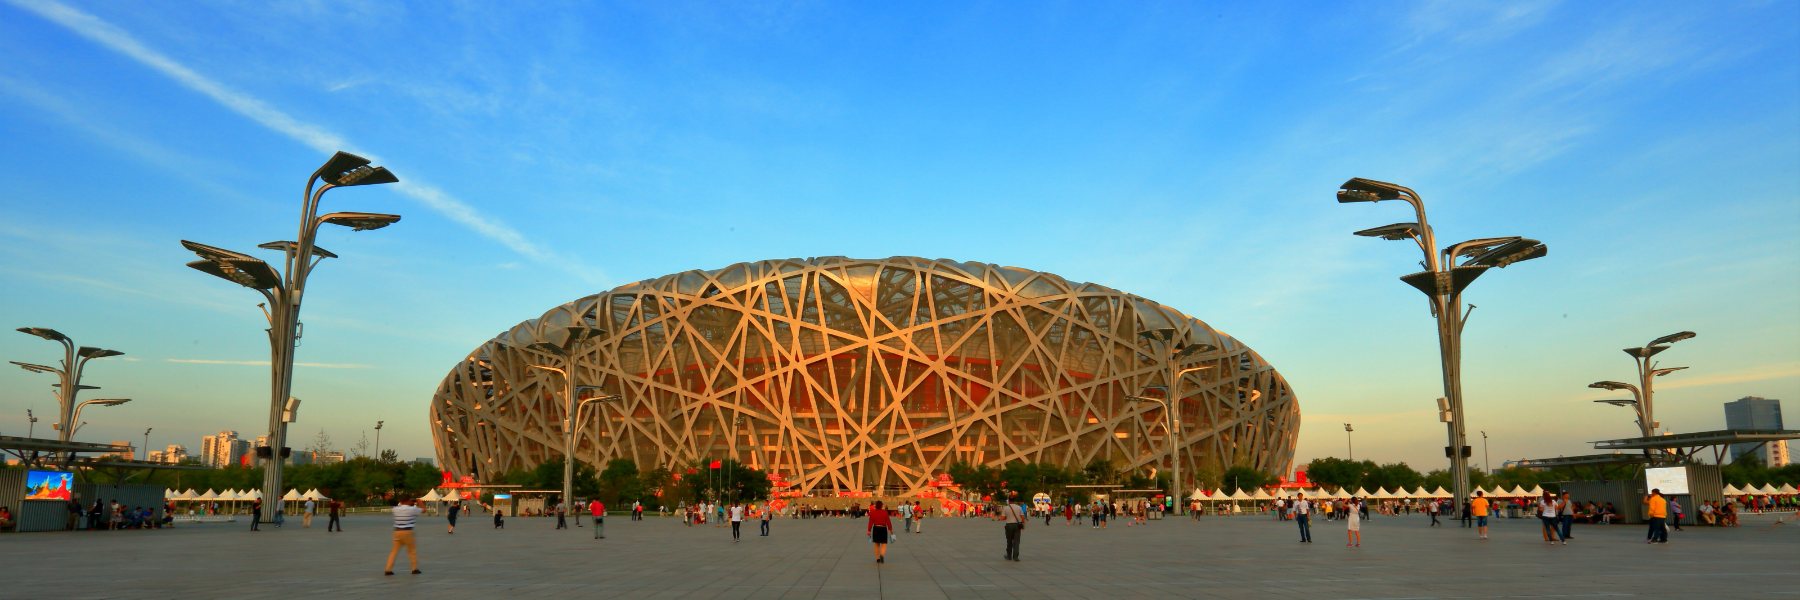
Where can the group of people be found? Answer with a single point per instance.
(115, 516)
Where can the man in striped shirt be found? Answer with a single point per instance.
(406, 515)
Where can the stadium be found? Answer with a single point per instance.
(850, 376)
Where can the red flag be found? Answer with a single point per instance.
(715, 464)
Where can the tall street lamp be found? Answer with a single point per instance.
(1443, 281)
(32, 419)
(1643, 394)
(68, 384)
(1174, 351)
(1349, 444)
(147, 443)
(1487, 464)
(567, 353)
(284, 290)
(378, 440)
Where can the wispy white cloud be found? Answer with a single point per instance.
(312, 135)
(262, 363)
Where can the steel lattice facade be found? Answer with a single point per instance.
(853, 374)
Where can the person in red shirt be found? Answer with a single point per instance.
(879, 527)
(598, 510)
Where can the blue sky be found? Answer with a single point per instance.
(1184, 152)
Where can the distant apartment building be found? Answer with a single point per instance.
(174, 454)
(223, 449)
(1752, 413)
(127, 454)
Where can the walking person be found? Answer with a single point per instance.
(562, 513)
(1353, 525)
(878, 528)
(1303, 517)
(598, 510)
(455, 507)
(1014, 517)
(1478, 508)
(918, 517)
(1659, 510)
(1547, 509)
(332, 524)
(1431, 508)
(255, 514)
(768, 512)
(575, 510)
(1675, 512)
(406, 516)
(1565, 515)
(906, 517)
(737, 520)
(1467, 512)
(306, 517)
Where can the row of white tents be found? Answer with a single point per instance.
(1420, 493)
(237, 496)
(1767, 489)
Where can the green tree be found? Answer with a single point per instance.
(1394, 477)
(620, 481)
(1244, 478)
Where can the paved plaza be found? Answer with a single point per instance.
(1239, 557)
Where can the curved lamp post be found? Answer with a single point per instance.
(1173, 353)
(566, 352)
(1443, 281)
(283, 290)
(1643, 393)
(68, 383)
(99, 401)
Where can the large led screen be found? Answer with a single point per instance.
(48, 485)
(1671, 480)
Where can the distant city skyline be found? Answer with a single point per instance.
(1185, 153)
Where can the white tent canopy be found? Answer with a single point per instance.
(1197, 495)
(454, 496)
(1788, 488)
(1262, 494)
(1440, 492)
(1769, 489)
(209, 495)
(291, 495)
(1537, 491)
(1419, 493)
(313, 494)
(431, 496)
(230, 496)
(1732, 490)
(1240, 495)
(1361, 493)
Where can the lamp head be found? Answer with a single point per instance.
(1193, 349)
(35, 368)
(1368, 190)
(1397, 231)
(346, 169)
(360, 221)
(1664, 340)
(92, 352)
(1664, 371)
(1618, 402)
(111, 401)
(290, 246)
(1347, 427)
(1518, 250)
(237, 267)
(46, 333)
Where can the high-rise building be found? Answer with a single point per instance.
(174, 454)
(223, 449)
(1751, 413)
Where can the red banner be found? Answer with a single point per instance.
(715, 464)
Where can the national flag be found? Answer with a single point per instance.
(715, 464)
